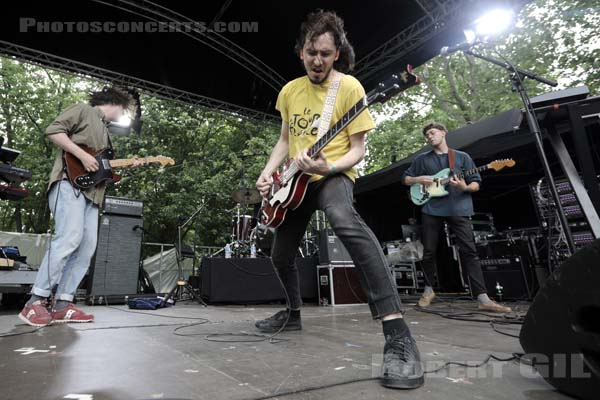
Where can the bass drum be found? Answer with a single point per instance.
(263, 236)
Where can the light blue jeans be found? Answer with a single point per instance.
(73, 244)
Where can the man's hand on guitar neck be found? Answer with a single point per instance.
(460, 184)
(137, 162)
(313, 166)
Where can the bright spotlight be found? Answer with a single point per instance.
(494, 22)
(470, 35)
(124, 121)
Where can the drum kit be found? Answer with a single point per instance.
(249, 237)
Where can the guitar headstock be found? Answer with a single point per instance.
(395, 84)
(165, 160)
(497, 165)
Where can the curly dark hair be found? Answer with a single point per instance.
(110, 95)
(320, 22)
(434, 125)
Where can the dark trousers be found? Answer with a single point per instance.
(461, 227)
(334, 196)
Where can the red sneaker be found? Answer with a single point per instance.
(36, 314)
(71, 314)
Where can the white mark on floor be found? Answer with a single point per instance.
(25, 351)
(76, 396)
(339, 368)
(191, 371)
(459, 380)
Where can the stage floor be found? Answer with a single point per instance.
(138, 356)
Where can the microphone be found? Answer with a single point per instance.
(459, 47)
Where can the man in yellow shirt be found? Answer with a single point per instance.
(325, 52)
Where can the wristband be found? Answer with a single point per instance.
(332, 169)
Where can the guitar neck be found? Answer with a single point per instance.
(468, 172)
(341, 124)
(126, 162)
(472, 171)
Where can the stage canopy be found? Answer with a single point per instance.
(238, 69)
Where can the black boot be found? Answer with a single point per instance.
(402, 367)
(275, 322)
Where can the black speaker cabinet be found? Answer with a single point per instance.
(115, 266)
(252, 280)
(509, 272)
(561, 332)
(331, 249)
(508, 263)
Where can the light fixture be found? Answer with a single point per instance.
(494, 22)
(125, 120)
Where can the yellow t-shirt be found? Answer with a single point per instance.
(300, 102)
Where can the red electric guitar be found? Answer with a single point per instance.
(289, 186)
(85, 180)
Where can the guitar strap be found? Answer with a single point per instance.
(327, 113)
(451, 160)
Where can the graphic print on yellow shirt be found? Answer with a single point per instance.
(300, 103)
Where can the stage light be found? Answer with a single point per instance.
(470, 35)
(132, 117)
(125, 120)
(494, 22)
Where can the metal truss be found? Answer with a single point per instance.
(428, 6)
(149, 88)
(438, 14)
(157, 13)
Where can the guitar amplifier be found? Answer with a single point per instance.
(115, 267)
(331, 249)
(123, 206)
(510, 272)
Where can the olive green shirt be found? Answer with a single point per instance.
(84, 125)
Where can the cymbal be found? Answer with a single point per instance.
(246, 196)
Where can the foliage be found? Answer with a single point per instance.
(212, 151)
(553, 38)
(216, 153)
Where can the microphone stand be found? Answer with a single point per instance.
(516, 76)
(182, 285)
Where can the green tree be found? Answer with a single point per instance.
(215, 154)
(554, 38)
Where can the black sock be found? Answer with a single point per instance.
(295, 314)
(395, 326)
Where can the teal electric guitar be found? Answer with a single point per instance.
(421, 194)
